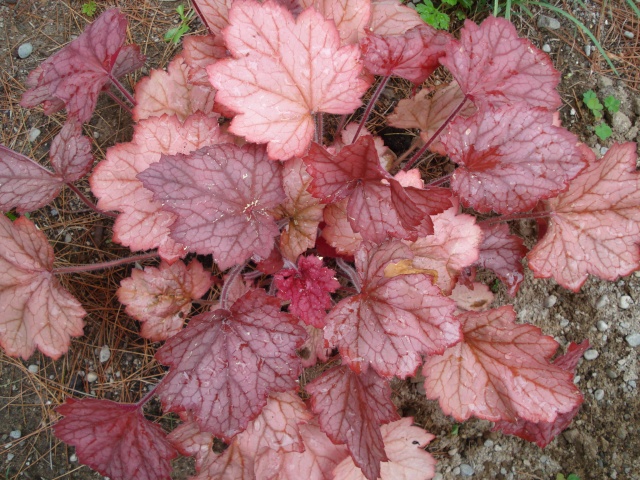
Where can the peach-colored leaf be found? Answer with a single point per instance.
(161, 297)
(391, 17)
(284, 70)
(338, 231)
(594, 227)
(142, 225)
(474, 299)
(350, 16)
(314, 348)
(500, 371)
(191, 441)
(214, 14)
(232, 464)
(494, 67)
(404, 445)
(35, 310)
(75, 76)
(115, 439)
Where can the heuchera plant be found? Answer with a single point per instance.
(376, 267)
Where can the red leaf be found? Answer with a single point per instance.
(594, 227)
(75, 76)
(543, 433)
(232, 464)
(350, 16)
(303, 210)
(500, 371)
(27, 186)
(278, 108)
(502, 253)
(350, 409)
(142, 225)
(161, 297)
(172, 93)
(315, 348)
(190, 441)
(494, 67)
(404, 445)
(337, 231)
(413, 55)
(510, 158)
(116, 440)
(225, 363)
(391, 17)
(453, 246)
(308, 288)
(221, 196)
(394, 319)
(37, 312)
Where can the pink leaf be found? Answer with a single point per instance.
(161, 297)
(190, 441)
(142, 224)
(232, 464)
(278, 108)
(116, 440)
(543, 433)
(350, 409)
(225, 363)
(453, 246)
(303, 210)
(214, 14)
(314, 348)
(75, 76)
(221, 196)
(413, 56)
(391, 17)
(500, 371)
(395, 318)
(510, 158)
(37, 312)
(404, 445)
(494, 67)
(475, 299)
(594, 227)
(309, 288)
(502, 253)
(337, 231)
(350, 16)
(27, 186)
(172, 93)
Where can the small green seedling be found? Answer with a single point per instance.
(89, 8)
(175, 34)
(572, 476)
(455, 429)
(590, 99)
(437, 17)
(603, 131)
(612, 104)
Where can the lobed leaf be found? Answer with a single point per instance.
(74, 77)
(115, 440)
(36, 312)
(289, 70)
(337, 230)
(225, 363)
(594, 227)
(391, 17)
(502, 253)
(221, 197)
(351, 17)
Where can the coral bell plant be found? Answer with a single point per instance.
(235, 155)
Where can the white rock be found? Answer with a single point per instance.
(572, 112)
(633, 339)
(10, 456)
(603, 150)
(466, 470)
(602, 326)
(73, 458)
(599, 394)
(33, 368)
(587, 50)
(34, 133)
(25, 50)
(546, 48)
(15, 434)
(625, 302)
(105, 353)
(602, 302)
(548, 22)
(93, 376)
(550, 301)
(591, 354)
(628, 34)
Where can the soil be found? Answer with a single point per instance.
(602, 443)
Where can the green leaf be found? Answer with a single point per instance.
(89, 8)
(603, 131)
(590, 99)
(453, 3)
(573, 476)
(455, 429)
(433, 16)
(560, 476)
(612, 104)
(11, 216)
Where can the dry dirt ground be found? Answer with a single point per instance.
(602, 443)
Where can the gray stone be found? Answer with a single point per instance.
(548, 22)
(604, 82)
(633, 339)
(620, 123)
(591, 354)
(599, 394)
(33, 368)
(550, 301)
(25, 50)
(466, 470)
(546, 48)
(92, 377)
(571, 436)
(10, 457)
(105, 354)
(628, 34)
(587, 50)
(15, 434)
(602, 302)
(438, 476)
(602, 326)
(34, 133)
(625, 302)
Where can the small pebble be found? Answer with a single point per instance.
(587, 50)
(632, 383)
(611, 373)
(10, 456)
(599, 394)
(546, 48)
(497, 448)
(25, 50)
(591, 354)
(572, 112)
(456, 471)
(105, 354)
(34, 133)
(602, 326)
(68, 238)
(488, 443)
(54, 212)
(15, 434)
(625, 302)
(628, 34)
(548, 22)
(96, 135)
(93, 376)
(602, 302)
(564, 323)
(550, 301)
(603, 150)
(633, 340)
(73, 458)
(466, 470)
(33, 368)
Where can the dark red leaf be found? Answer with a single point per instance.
(502, 253)
(351, 408)
(75, 76)
(115, 439)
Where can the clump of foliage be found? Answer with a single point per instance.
(439, 17)
(375, 265)
(612, 104)
(89, 8)
(175, 34)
